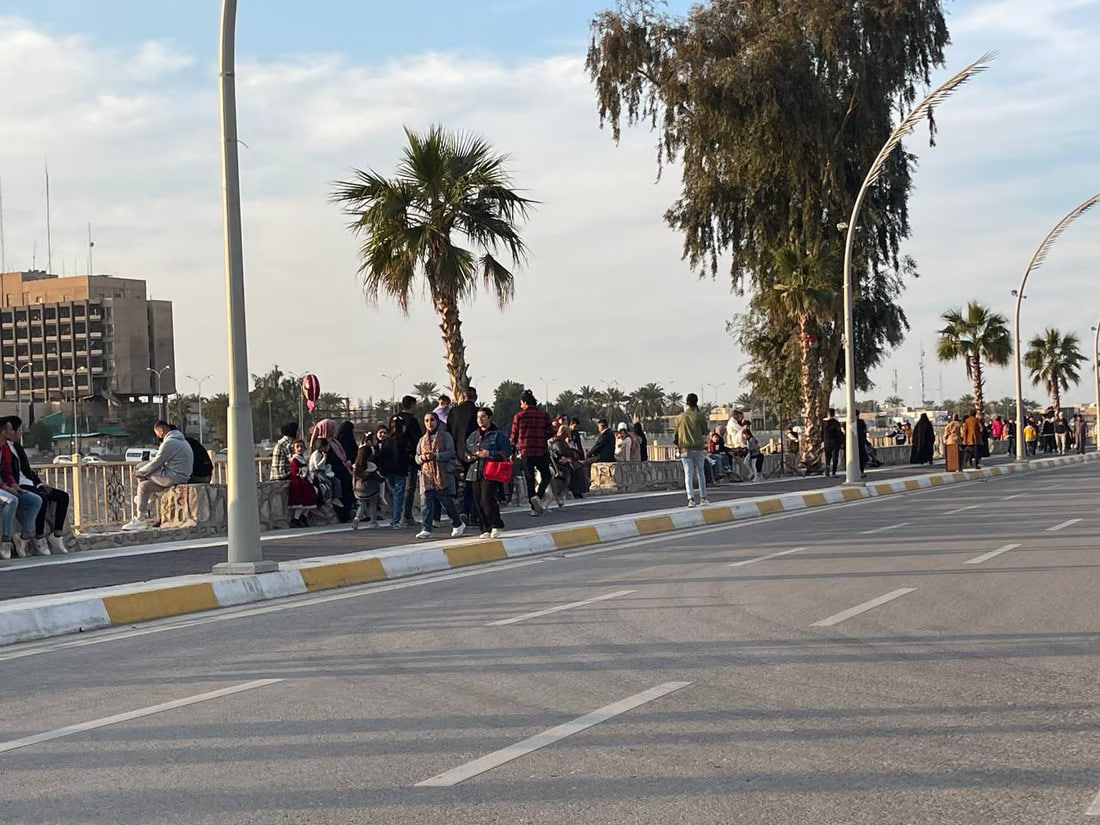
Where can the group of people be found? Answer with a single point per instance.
(1055, 434)
(24, 496)
(733, 451)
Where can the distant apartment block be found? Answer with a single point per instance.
(101, 332)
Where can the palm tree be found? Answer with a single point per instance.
(808, 291)
(1053, 360)
(975, 334)
(647, 403)
(674, 403)
(426, 391)
(589, 398)
(447, 185)
(893, 401)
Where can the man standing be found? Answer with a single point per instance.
(171, 465)
(530, 434)
(1080, 433)
(280, 456)
(410, 438)
(603, 450)
(973, 438)
(13, 497)
(461, 421)
(1061, 433)
(444, 409)
(735, 440)
(832, 438)
(691, 438)
(29, 480)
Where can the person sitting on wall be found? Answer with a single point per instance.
(171, 465)
(202, 468)
(54, 543)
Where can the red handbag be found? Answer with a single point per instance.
(497, 471)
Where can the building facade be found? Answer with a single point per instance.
(99, 334)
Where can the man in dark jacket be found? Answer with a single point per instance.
(604, 448)
(202, 469)
(29, 480)
(410, 437)
(461, 421)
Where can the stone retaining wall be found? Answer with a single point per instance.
(202, 508)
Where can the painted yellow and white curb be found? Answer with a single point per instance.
(40, 617)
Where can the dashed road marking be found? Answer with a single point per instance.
(550, 610)
(863, 608)
(992, 554)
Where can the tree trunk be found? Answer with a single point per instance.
(1056, 396)
(811, 397)
(454, 347)
(979, 395)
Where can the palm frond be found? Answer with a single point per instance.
(910, 121)
(1044, 248)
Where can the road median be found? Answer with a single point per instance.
(39, 617)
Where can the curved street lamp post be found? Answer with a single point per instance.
(1037, 261)
(852, 473)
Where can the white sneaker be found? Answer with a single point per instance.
(424, 534)
(496, 533)
(135, 524)
(23, 547)
(41, 548)
(536, 506)
(704, 501)
(691, 502)
(57, 545)
(355, 523)
(560, 499)
(5, 549)
(486, 535)
(458, 532)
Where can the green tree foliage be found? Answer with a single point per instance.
(506, 403)
(40, 436)
(452, 198)
(975, 334)
(1053, 360)
(775, 112)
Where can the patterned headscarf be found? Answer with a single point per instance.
(326, 428)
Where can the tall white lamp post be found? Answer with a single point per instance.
(1037, 261)
(199, 383)
(852, 474)
(245, 552)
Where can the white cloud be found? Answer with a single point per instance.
(132, 143)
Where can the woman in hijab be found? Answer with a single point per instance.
(641, 441)
(346, 436)
(924, 440)
(437, 459)
(339, 462)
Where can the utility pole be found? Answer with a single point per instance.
(49, 232)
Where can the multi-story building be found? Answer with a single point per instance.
(99, 333)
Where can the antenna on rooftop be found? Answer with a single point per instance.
(3, 249)
(91, 246)
(49, 235)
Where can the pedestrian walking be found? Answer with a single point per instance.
(691, 439)
(489, 453)
(410, 437)
(972, 439)
(924, 442)
(832, 439)
(1061, 433)
(1031, 438)
(531, 432)
(756, 457)
(436, 458)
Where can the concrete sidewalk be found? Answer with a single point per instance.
(36, 617)
(193, 556)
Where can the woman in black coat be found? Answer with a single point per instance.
(924, 441)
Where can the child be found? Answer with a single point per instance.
(301, 497)
(756, 457)
(328, 485)
(368, 484)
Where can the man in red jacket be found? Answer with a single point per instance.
(530, 433)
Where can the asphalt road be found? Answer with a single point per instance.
(102, 568)
(924, 658)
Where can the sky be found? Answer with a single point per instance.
(121, 98)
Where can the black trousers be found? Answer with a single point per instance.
(412, 480)
(832, 456)
(60, 500)
(542, 464)
(488, 507)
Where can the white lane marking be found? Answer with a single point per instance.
(94, 724)
(536, 614)
(1094, 808)
(1014, 495)
(295, 602)
(548, 737)
(743, 562)
(863, 608)
(992, 554)
(1063, 525)
(884, 529)
(961, 510)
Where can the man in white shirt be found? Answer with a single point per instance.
(735, 440)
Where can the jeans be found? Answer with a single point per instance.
(30, 502)
(397, 485)
(434, 499)
(694, 462)
(542, 464)
(1062, 440)
(60, 501)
